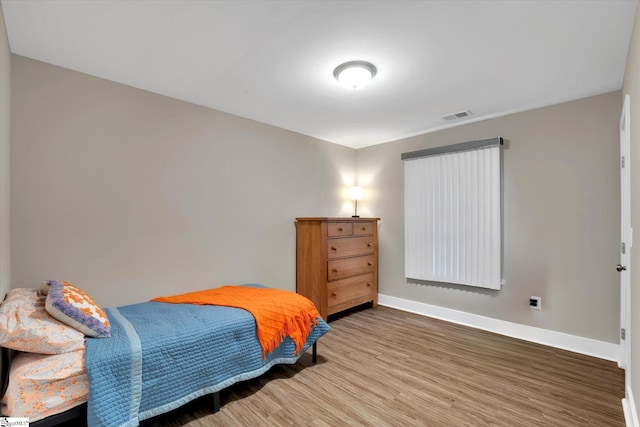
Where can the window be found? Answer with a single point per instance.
(453, 213)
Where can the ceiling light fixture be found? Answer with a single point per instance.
(355, 74)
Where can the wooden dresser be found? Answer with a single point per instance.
(337, 262)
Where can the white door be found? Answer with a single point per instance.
(626, 235)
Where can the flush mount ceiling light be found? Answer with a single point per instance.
(355, 74)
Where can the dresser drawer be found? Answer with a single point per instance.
(349, 246)
(339, 229)
(341, 268)
(349, 292)
(363, 228)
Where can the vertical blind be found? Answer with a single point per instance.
(453, 214)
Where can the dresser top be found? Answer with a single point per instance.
(336, 219)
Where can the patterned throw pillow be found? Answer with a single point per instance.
(74, 307)
(26, 326)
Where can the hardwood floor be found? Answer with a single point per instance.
(384, 367)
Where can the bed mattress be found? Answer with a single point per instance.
(41, 385)
(161, 356)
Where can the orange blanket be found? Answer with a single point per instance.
(278, 313)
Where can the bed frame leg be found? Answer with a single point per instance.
(314, 352)
(216, 401)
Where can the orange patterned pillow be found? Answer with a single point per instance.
(26, 326)
(74, 307)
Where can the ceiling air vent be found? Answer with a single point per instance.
(460, 115)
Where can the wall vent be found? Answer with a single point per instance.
(459, 115)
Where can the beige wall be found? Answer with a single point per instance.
(132, 195)
(632, 87)
(561, 217)
(5, 104)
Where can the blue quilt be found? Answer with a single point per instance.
(161, 356)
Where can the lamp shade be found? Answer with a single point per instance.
(357, 193)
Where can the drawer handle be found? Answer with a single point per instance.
(369, 264)
(334, 294)
(369, 284)
(333, 248)
(333, 270)
(369, 245)
(364, 228)
(340, 229)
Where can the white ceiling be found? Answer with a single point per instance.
(272, 61)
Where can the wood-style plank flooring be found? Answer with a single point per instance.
(384, 367)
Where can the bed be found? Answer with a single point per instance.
(159, 356)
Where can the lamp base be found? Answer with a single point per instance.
(355, 216)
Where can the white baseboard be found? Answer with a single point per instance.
(587, 346)
(629, 408)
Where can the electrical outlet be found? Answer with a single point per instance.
(535, 303)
